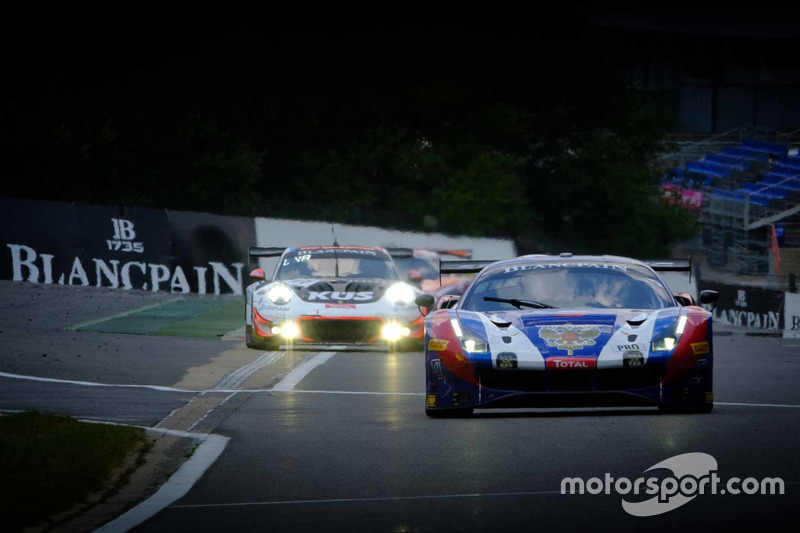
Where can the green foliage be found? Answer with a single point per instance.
(597, 187)
(504, 139)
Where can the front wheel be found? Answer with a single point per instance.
(252, 342)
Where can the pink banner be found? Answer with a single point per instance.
(687, 198)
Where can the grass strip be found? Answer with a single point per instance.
(51, 463)
(185, 317)
(210, 324)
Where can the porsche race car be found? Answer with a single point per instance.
(331, 295)
(568, 331)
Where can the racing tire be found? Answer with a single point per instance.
(251, 342)
(686, 409)
(461, 412)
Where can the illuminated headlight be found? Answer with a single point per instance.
(667, 340)
(393, 331)
(279, 294)
(469, 341)
(289, 330)
(400, 294)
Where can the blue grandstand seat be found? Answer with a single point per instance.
(752, 187)
(709, 168)
(727, 159)
(790, 160)
(782, 174)
(766, 146)
(781, 166)
(788, 191)
(746, 153)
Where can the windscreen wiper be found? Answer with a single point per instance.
(519, 304)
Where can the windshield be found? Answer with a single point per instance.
(427, 268)
(336, 263)
(568, 285)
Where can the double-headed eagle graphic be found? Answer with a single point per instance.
(569, 337)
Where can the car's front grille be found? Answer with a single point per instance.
(616, 379)
(629, 378)
(340, 330)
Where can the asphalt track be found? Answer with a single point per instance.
(338, 441)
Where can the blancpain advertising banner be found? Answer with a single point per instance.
(122, 248)
(792, 316)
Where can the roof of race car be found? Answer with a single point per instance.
(336, 247)
(567, 258)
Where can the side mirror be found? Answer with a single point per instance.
(425, 303)
(258, 274)
(708, 297)
(684, 298)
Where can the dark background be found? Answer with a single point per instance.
(528, 124)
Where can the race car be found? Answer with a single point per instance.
(331, 295)
(421, 267)
(568, 331)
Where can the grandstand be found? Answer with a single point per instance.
(746, 190)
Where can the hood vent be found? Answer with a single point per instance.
(638, 320)
(321, 286)
(358, 286)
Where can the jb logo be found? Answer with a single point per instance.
(124, 234)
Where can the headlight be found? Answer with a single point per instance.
(669, 338)
(400, 294)
(290, 330)
(279, 294)
(469, 341)
(393, 331)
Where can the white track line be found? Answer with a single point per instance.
(292, 379)
(200, 392)
(240, 375)
(373, 393)
(369, 500)
(176, 487)
(194, 425)
(296, 376)
(756, 404)
(386, 499)
(94, 384)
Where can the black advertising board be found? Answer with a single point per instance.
(123, 247)
(749, 307)
(211, 250)
(38, 239)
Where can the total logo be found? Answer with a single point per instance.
(571, 363)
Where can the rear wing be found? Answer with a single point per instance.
(260, 251)
(400, 253)
(409, 252)
(462, 267)
(670, 265)
(466, 254)
(472, 267)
